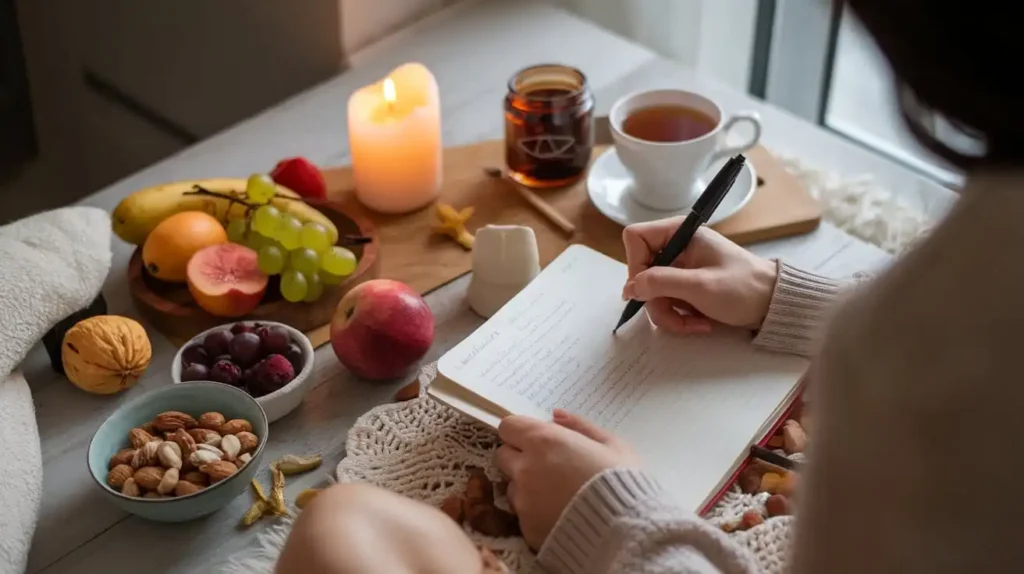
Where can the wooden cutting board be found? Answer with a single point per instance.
(411, 253)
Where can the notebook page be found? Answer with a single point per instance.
(689, 405)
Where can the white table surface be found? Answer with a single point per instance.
(472, 48)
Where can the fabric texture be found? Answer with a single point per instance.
(51, 265)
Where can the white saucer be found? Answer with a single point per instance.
(611, 191)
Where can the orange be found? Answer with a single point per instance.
(176, 239)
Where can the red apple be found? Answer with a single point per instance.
(381, 328)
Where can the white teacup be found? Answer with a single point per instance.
(667, 175)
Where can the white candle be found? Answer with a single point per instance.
(394, 136)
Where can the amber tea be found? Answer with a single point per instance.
(665, 124)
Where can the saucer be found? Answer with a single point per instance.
(611, 191)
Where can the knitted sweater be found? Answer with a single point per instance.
(917, 415)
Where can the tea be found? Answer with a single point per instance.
(671, 123)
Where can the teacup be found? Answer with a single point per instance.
(668, 138)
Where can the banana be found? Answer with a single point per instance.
(141, 211)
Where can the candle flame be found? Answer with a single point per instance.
(389, 91)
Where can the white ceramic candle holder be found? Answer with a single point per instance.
(505, 259)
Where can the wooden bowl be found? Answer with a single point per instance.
(169, 307)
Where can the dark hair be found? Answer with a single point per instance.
(957, 61)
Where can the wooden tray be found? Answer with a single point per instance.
(169, 306)
(416, 256)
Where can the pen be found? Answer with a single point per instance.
(699, 214)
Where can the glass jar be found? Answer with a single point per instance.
(548, 125)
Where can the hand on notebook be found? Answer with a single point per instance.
(714, 280)
(548, 462)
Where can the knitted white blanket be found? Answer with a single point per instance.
(51, 265)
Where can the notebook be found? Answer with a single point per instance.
(691, 406)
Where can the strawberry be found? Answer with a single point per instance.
(301, 176)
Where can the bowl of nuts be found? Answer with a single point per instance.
(179, 452)
(272, 362)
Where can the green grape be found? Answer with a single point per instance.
(260, 188)
(266, 220)
(338, 261)
(293, 286)
(314, 288)
(270, 260)
(314, 236)
(236, 230)
(305, 260)
(255, 240)
(330, 278)
(289, 232)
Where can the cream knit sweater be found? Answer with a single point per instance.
(919, 409)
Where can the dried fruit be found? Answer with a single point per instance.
(294, 464)
(243, 460)
(185, 488)
(218, 470)
(146, 456)
(749, 480)
(255, 512)
(452, 506)
(277, 492)
(196, 477)
(478, 488)
(149, 477)
(203, 457)
(173, 420)
(776, 441)
(794, 437)
(211, 421)
(306, 496)
(770, 482)
(231, 446)
(490, 520)
(169, 454)
(235, 426)
(186, 444)
(129, 488)
(123, 456)
(777, 505)
(118, 475)
(205, 436)
(257, 491)
(248, 441)
(139, 437)
(105, 354)
(751, 518)
(168, 482)
(408, 392)
(789, 483)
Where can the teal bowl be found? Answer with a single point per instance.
(194, 398)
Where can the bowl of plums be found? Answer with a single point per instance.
(272, 362)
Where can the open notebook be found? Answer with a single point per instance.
(691, 406)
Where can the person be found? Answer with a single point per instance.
(912, 465)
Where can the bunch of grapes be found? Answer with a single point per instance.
(301, 254)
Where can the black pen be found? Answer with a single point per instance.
(699, 214)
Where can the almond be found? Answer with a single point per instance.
(118, 475)
(146, 456)
(169, 454)
(129, 488)
(196, 477)
(202, 457)
(218, 470)
(168, 482)
(243, 459)
(185, 488)
(172, 421)
(148, 427)
(211, 448)
(248, 441)
(235, 426)
(123, 456)
(211, 421)
(185, 442)
(139, 437)
(205, 436)
(231, 447)
(149, 477)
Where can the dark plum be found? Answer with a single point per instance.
(274, 339)
(196, 372)
(217, 342)
(226, 372)
(245, 349)
(194, 355)
(269, 375)
(294, 355)
(239, 328)
(224, 357)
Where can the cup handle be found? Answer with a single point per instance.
(750, 117)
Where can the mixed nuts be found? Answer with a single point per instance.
(177, 455)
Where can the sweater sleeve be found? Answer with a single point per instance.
(623, 521)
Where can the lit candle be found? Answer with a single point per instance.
(394, 136)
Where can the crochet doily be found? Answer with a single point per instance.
(421, 448)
